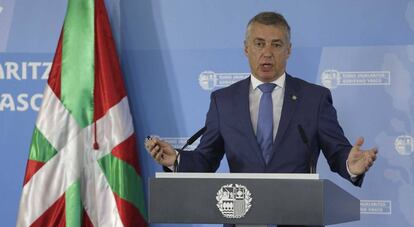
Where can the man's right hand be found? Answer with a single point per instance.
(161, 151)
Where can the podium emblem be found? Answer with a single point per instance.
(233, 200)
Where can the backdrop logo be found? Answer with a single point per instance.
(1, 9)
(404, 144)
(22, 80)
(13, 70)
(332, 78)
(375, 207)
(210, 80)
(21, 102)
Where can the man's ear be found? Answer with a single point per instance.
(246, 51)
(289, 49)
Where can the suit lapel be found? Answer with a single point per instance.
(290, 101)
(242, 109)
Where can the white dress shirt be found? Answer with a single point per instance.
(277, 98)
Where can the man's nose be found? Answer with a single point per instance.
(267, 51)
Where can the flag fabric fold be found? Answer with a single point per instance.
(83, 167)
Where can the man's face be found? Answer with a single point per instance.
(267, 47)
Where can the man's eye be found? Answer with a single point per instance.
(277, 45)
(259, 44)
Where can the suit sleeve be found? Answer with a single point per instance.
(210, 151)
(335, 146)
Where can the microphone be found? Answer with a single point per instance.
(190, 141)
(312, 167)
(194, 137)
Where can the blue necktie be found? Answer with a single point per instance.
(264, 132)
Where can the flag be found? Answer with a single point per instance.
(83, 167)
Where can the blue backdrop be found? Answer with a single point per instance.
(174, 53)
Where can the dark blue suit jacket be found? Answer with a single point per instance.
(229, 131)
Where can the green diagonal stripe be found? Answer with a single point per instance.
(77, 75)
(124, 181)
(40, 149)
(73, 205)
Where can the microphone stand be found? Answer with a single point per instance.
(312, 167)
(190, 141)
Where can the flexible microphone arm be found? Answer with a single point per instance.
(190, 141)
(194, 137)
(312, 167)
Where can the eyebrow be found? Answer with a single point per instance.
(273, 40)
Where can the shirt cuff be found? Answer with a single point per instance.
(353, 176)
(178, 161)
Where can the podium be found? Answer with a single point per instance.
(249, 199)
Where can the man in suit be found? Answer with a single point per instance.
(259, 122)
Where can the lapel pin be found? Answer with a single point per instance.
(294, 97)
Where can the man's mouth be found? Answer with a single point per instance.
(265, 67)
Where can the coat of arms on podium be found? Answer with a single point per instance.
(233, 200)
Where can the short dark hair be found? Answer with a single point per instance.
(270, 18)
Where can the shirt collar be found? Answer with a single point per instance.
(280, 82)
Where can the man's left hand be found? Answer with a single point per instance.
(359, 161)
